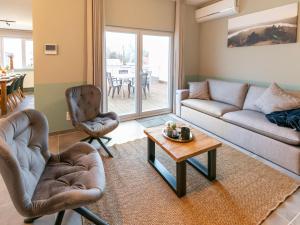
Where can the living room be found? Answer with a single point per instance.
(154, 112)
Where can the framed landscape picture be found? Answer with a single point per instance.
(269, 27)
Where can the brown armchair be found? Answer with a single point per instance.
(84, 107)
(41, 183)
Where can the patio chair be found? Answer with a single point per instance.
(144, 84)
(149, 79)
(123, 71)
(40, 183)
(113, 84)
(84, 106)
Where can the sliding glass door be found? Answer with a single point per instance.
(156, 68)
(121, 67)
(138, 72)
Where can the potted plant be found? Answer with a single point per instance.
(171, 130)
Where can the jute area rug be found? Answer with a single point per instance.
(245, 192)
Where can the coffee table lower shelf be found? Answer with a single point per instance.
(178, 183)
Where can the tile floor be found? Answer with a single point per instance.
(287, 214)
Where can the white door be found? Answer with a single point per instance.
(138, 79)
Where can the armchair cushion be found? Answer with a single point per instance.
(100, 125)
(70, 179)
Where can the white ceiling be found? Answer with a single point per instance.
(196, 2)
(16, 10)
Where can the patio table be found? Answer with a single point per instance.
(125, 79)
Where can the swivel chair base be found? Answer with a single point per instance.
(82, 211)
(91, 139)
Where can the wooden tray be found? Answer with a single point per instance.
(177, 139)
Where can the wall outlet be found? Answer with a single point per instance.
(68, 116)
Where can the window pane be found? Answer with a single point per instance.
(156, 68)
(13, 47)
(121, 63)
(29, 54)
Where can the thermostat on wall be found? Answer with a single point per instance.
(51, 49)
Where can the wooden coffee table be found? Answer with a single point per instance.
(182, 153)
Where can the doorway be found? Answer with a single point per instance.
(138, 79)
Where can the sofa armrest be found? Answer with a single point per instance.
(180, 95)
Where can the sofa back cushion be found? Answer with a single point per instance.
(253, 94)
(276, 99)
(228, 92)
(199, 90)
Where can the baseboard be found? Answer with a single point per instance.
(28, 90)
(62, 132)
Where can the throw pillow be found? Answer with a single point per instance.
(199, 90)
(276, 99)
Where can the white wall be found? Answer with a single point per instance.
(279, 63)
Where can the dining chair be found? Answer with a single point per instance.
(113, 84)
(16, 89)
(21, 89)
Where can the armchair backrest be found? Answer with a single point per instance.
(23, 155)
(83, 103)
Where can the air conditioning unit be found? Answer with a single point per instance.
(217, 10)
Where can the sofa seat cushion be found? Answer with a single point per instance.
(213, 108)
(257, 122)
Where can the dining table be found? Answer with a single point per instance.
(4, 81)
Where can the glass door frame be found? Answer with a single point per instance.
(139, 66)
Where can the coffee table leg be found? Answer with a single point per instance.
(178, 183)
(181, 178)
(212, 164)
(210, 171)
(151, 150)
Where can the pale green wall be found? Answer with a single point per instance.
(50, 99)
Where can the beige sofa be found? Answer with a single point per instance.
(231, 114)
